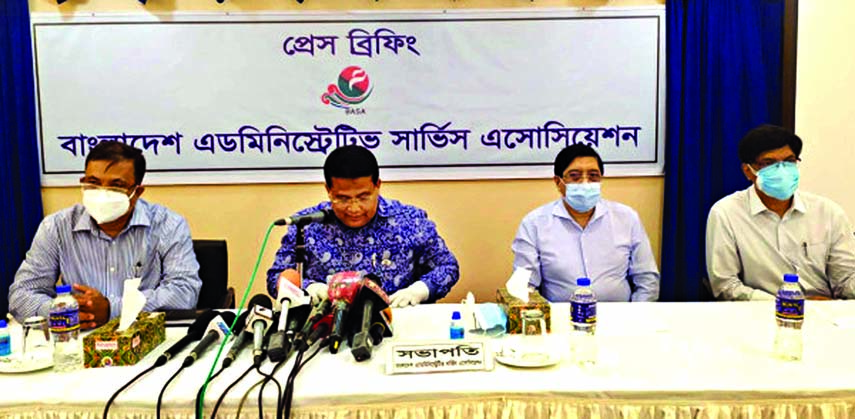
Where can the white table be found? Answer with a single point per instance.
(670, 360)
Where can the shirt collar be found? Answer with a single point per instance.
(384, 207)
(139, 218)
(756, 206)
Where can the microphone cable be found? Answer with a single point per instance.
(268, 378)
(122, 388)
(200, 404)
(163, 390)
(246, 396)
(199, 393)
(229, 388)
(289, 385)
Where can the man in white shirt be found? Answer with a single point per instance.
(756, 235)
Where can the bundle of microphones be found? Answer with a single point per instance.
(357, 311)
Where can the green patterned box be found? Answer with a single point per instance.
(105, 347)
(514, 307)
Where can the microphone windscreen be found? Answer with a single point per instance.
(241, 323)
(197, 329)
(292, 276)
(228, 317)
(260, 300)
(343, 286)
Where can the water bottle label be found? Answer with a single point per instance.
(64, 321)
(5, 346)
(583, 313)
(787, 309)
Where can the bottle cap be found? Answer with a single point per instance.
(2, 324)
(63, 289)
(455, 315)
(583, 282)
(791, 278)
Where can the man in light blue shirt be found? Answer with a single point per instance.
(582, 235)
(113, 236)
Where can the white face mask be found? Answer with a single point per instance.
(104, 205)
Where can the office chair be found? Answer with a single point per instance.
(213, 258)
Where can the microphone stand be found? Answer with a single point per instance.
(300, 251)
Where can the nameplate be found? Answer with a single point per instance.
(443, 356)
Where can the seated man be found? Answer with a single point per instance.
(582, 235)
(397, 242)
(113, 236)
(756, 235)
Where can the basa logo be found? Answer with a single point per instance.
(353, 88)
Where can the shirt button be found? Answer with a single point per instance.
(112, 269)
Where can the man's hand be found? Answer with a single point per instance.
(318, 290)
(94, 307)
(410, 296)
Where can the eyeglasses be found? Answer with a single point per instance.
(769, 162)
(361, 200)
(576, 176)
(86, 186)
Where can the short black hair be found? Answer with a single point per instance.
(764, 138)
(570, 153)
(116, 151)
(351, 162)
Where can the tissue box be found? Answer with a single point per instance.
(106, 347)
(514, 307)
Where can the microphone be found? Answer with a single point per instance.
(269, 334)
(373, 300)
(318, 312)
(342, 290)
(218, 328)
(194, 333)
(323, 217)
(241, 333)
(319, 330)
(260, 320)
(291, 296)
(382, 326)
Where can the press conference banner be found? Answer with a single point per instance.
(240, 98)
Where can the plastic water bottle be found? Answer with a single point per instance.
(583, 315)
(65, 331)
(5, 341)
(789, 315)
(456, 328)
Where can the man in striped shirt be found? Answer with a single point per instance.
(113, 236)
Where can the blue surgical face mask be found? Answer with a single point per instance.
(779, 180)
(582, 197)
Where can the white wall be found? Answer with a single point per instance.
(825, 99)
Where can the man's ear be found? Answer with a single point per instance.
(378, 183)
(746, 170)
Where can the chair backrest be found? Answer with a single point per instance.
(213, 258)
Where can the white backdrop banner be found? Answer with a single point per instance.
(435, 95)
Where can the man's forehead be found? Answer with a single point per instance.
(105, 169)
(778, 153)
(354, 186)
(583, 163)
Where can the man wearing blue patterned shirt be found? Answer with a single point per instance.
(373, 234)
(113, 236)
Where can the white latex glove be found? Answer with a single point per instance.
(318, 291)
(410, 296)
